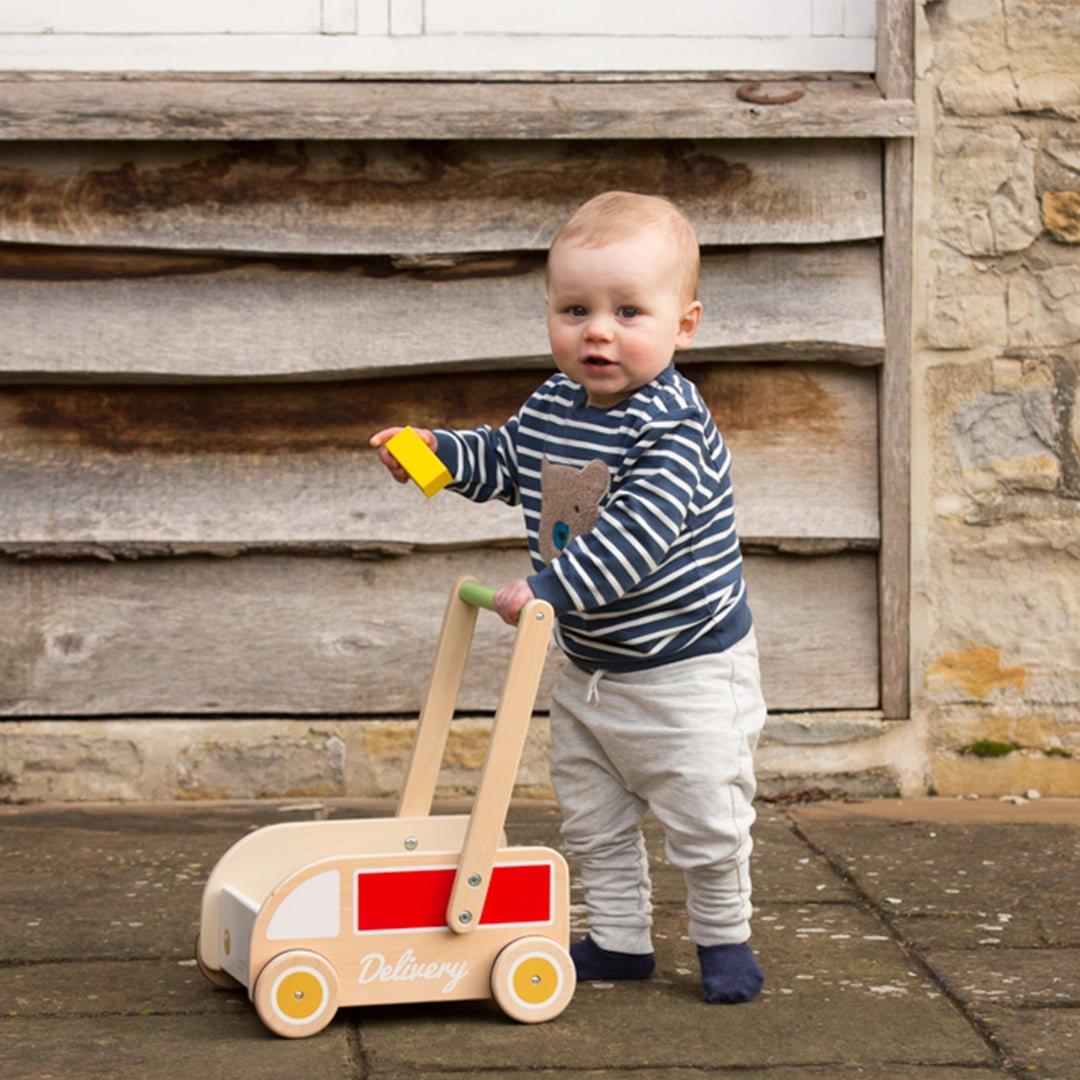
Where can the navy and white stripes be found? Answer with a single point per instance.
(659, 576)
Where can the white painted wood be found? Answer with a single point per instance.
(339, 16)
(61, 17)
(828, 17)
(236, 915)
(406, 16)
(373, 17)
(860, 18)
(616, 18)
(317, 52)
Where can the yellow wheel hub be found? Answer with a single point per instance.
(535, 980)
(299, 995)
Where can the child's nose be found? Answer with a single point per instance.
(598, 329)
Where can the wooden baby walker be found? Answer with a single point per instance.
(309, 916)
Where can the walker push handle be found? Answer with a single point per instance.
(488, 816)
(474, 593)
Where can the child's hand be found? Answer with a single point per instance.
(510, 599)
(388, 459)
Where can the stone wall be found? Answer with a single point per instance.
(995, 418)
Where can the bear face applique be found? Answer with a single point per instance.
(569, 503)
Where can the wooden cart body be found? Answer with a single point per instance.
(416, 907)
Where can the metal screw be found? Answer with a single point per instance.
(474, 880)
(465, 917)
(539, 616)
(535, 979)
(299, 995)
(410, 843)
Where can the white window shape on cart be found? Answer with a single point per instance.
(311, 910)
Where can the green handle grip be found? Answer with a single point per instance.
(480, 595)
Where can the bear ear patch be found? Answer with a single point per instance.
(596, 476)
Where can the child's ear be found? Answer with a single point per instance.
(688, 324)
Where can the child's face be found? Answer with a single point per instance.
(614, 314)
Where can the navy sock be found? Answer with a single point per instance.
(729, 973)
(592, 962)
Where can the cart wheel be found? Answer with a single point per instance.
(221, 979)
(296, 994)
(533, 979)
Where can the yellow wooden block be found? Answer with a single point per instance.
(419, 461)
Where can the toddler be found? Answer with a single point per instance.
(626, 490)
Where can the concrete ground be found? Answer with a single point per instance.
(928, 939)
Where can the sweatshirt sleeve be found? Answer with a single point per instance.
(642, 519)
(482, 461)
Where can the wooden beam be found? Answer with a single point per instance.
(80, 315)
(414, 109)
(895, 73)
(122, 470)
(424, 198)
(267, 635)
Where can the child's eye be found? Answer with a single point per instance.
(576, 309)
(628, 311)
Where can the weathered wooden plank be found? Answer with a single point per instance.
(896, 60)
(413, 109)
(423, 197)
(266, 635)
(129, 468)
(142, 317)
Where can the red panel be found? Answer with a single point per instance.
(417, 899)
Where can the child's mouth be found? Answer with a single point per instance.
(598, 362)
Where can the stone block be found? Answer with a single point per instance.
(968, 305)
(986, 188)
(67, 765)
(1061, 212)
(383, 747)
(965, 774)
(1058, 164)
(275, 767)
(1045, 732)
(1008, 440)
(1044, 297)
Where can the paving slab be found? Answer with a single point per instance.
(170, 1048)
(111, 987)
(1038, 1042)
(1013, 977)
(1009, 882)
(809, 1072)
(824, 964)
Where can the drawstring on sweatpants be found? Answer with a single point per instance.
(592, 693)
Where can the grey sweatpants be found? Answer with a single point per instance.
(679, 740)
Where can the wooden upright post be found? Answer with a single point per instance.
(895, 78)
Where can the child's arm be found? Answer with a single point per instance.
(482, 461)
(636, 529)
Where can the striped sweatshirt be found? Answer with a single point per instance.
(658, 575)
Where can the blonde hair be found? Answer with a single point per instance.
(620, 215)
